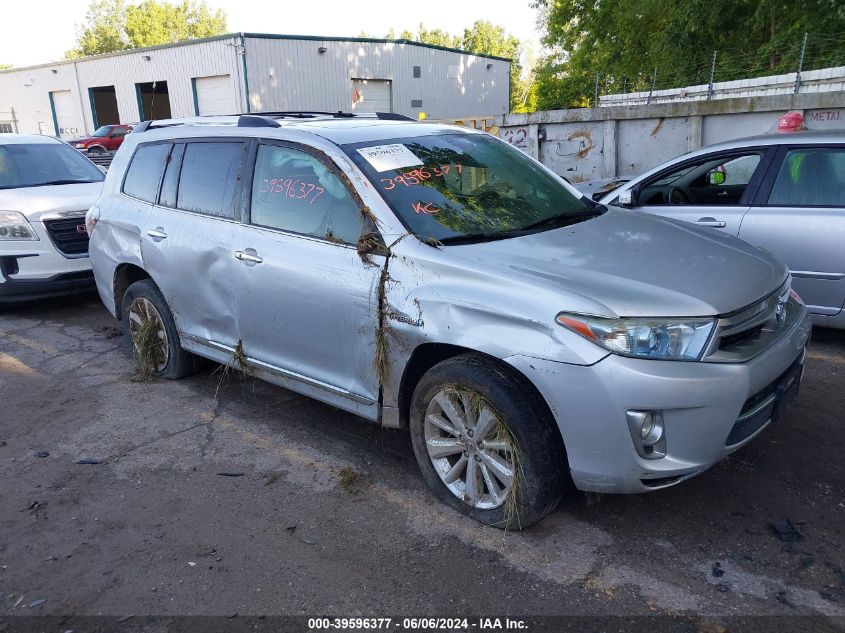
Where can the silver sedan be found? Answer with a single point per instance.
(784, 193)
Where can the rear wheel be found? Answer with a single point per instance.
(485, 443)
(150, 330)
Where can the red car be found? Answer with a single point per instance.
(107, 138)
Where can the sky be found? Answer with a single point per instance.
(27, 38)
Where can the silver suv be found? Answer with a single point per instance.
(432, 277)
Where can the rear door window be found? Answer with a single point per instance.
(211, 178)
(295, 191)
(810, 177)
(170, 183)
(144, 173)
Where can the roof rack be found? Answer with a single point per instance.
(266, 119)
(340, 114)
(252, 120)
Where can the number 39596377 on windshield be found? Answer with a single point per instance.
(419, 175)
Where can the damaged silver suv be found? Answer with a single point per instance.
(432, 277)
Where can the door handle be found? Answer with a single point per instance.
(716, 224)
(248, 256)
(158, 234)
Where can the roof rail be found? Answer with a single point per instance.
(339, 114)
(252, 120)
(393, 116)
(143, 126)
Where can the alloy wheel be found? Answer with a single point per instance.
(470, 448)
(149, 336)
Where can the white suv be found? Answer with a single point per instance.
(46, 187)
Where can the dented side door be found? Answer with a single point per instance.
(189, 255)
(307, 302)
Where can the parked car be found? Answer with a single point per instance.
(598, 189)
(433, 277)
(46, 187)
(782, 192)
(106, 138)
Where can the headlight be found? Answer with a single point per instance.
(666, 339)
(79, 145)
(13, 226)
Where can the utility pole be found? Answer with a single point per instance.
(596, 93)
(653, 82)
(712, 77)
(800, 64)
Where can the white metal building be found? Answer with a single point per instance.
(248, 72)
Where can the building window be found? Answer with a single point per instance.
(6, 128)
(416, 103)
(417, 72)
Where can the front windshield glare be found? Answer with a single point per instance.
(102, 131)
(39, 164)
(448, 186)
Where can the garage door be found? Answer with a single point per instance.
(371, 95)
(65, 114)
(215, 95)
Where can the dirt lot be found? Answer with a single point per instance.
(329, 515)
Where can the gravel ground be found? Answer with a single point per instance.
(327, 513)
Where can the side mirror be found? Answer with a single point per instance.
(625, 199)
(716, 177)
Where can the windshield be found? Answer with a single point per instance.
(102, 131)
(42, 164)
(449, 187)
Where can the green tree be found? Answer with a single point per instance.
(629, 43)
(437, 37)
(5, 66)
(114, 25)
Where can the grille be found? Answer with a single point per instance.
(743, 334)
(762, 407)
(736, 340)
(752, 420)
(66, 235)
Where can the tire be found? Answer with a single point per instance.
(537, 459)
(172, 363)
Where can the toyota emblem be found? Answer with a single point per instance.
(779, 313)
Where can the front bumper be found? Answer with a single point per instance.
(701, 403)
(36, 270)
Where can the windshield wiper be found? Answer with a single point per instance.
(562, 219)
(475, 238)
(66, 181)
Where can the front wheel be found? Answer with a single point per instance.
(486, 444)
(150, 330)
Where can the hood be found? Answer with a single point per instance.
(84, 139)
(624, 263)
(33, 202)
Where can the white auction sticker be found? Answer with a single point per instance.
(385, 157)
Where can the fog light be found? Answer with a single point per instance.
(647, 433)
(648, 426)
